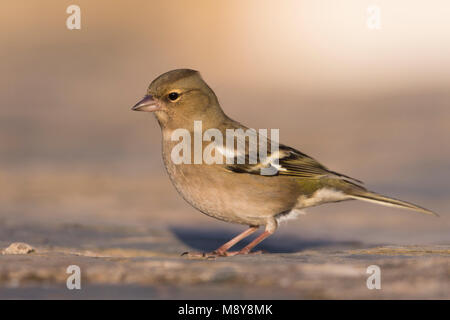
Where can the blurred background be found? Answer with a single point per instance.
(373, 104)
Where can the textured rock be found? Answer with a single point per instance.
(146, 263)
(18, 248)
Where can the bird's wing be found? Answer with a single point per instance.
(290, 162)
(286, 161)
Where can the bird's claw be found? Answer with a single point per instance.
(199, 255)
(214, 254)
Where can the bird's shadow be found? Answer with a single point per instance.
(204, 240)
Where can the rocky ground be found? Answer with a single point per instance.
(145, 263)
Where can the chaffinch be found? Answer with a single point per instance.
(237, 191)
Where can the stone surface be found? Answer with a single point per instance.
(18, 248)
(146, 263)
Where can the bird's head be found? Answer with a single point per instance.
(179, 97)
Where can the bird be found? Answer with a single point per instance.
(237, 191)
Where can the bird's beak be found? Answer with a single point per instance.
(146, 104)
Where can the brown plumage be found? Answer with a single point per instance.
(238, 192)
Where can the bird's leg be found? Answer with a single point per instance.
(222, 251)
(251, 245)
(270, 229)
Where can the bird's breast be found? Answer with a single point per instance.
(236, 197)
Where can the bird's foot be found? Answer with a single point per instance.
(200, 255)
(216, 253)
(242, 252)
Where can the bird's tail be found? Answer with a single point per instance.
(386, 201)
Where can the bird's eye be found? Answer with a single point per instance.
(173, 96)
